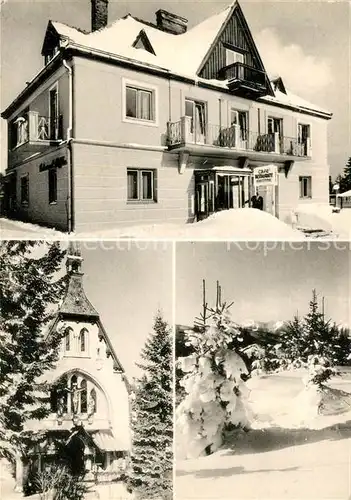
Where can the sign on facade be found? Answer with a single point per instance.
(266, 176)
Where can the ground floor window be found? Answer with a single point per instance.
(52, 185)
(305, 184)
(141, 185)
(25, 189)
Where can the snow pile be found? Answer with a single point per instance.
(239, 224)
(321, 217)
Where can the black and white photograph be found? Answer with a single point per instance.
(175, 250)
(86, 398)
(263, 388)
(163, 119)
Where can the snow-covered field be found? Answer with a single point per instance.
(280, 458)
(236, 224)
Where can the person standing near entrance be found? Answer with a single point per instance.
(257, 201)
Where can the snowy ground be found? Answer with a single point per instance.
(287, 462)
(239, 224)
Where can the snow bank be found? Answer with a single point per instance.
(321, 216)
(239, 224)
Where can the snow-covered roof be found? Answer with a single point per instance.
(346, 194)
(181, 54)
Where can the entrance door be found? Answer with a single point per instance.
(268, 195)
(75, 455)
(53, 103)
(275, 133)
(195, 121)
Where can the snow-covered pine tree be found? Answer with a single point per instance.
(151, 471)
(311, 342)
(29, 288)
(215, 391)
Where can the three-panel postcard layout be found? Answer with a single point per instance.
(175, 253)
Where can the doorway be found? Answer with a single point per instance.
(218, 190)
(195, 114)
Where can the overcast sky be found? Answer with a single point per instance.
(127, 282)
(307, 43)
(267, 281)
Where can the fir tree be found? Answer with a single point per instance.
(152, 418)
(212, 378)
(29, 288)
(345, 178)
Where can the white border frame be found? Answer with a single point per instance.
(142, 86)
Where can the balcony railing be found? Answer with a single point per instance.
(186, 131)
(33, 127)
(239, 74)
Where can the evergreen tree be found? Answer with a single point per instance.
(345, 178)
(215, 392)
(313, 342)
(29, 288)
(152, 418)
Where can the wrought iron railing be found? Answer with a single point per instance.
(188, 131)
(32, 126)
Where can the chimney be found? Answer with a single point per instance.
(99, 14)
(171, 23)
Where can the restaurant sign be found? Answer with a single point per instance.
(266, 176)
(58, 162)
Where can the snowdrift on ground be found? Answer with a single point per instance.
(239, 224)
(321, 217)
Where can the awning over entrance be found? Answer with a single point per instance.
(106, 441)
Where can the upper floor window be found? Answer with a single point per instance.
(275, 125)
(232, 56)
(195, 112)
(140, 103)
(25, 189)
(141, 185)
(304, 138)
(82, 340)
(67, 339)
(239, 120)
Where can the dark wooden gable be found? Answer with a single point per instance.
(236, 35)
(142, 42)
(51, 40)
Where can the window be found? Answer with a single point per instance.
(53, 113)
(141, 185)
(304, 138)
(140, 103)
(25, 189)
(275, 125)
(195, 111)
(83, 397)
(305, 187)
(239, 118)
(68, 340)
(83, 340)
(232, 56)
(92, 402)
(52, 173)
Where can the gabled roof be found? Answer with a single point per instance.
(180, 55)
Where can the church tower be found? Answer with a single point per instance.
(90, 397)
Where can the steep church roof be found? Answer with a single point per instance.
(75, 302)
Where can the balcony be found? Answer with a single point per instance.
(232, 142)
(244, 80)
(32, 132)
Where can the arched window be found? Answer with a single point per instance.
(83, 396)
(68, 339)
(92, 402)
(82, 341)
(74, 395)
